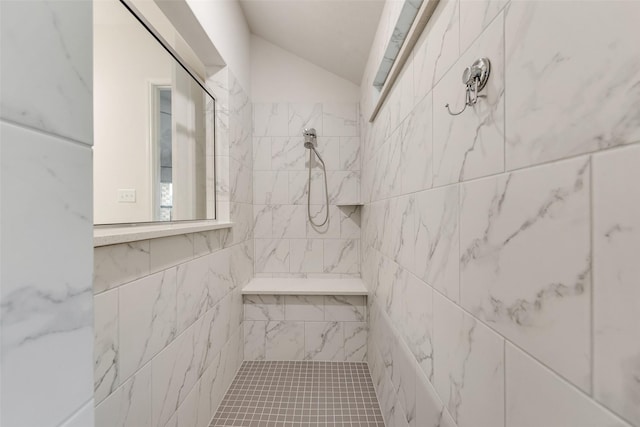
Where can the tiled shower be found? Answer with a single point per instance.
(499, 248)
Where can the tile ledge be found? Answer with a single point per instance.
(304, 286)
(112, 235)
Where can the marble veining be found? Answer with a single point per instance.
(616, 243)
(549, 104)
(541, 214)
(146, 308)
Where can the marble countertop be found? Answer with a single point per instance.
(302, 286)
(112, 235)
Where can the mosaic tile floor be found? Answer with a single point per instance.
(300, 394)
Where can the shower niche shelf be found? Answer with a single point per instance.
(305, 286)
(349, 204)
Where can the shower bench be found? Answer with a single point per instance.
(305, 319)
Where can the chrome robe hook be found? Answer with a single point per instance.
(475, 79)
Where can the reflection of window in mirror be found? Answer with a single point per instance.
(162, 139)
(153, 125)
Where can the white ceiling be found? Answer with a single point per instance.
(333, 34)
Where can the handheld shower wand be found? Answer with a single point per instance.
(310, 142)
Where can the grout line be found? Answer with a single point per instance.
(48, 134)
(516, 170)
(591, 278)
(506, 340)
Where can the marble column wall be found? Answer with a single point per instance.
(46, 137)
(500, 246)
(168, 311)
(286, 243)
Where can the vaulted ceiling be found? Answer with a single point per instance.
(333, 34)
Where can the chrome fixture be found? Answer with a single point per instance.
(310, 138)
(311, 142)
(475, 79)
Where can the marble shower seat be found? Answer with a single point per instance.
(305, 319)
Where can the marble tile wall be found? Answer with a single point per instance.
(168, 311)
(500, 247)
(46, 134)
(286, 243)
(290, 327)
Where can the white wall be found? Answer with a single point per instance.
(224, 23)
(280, 76)
(46, 307)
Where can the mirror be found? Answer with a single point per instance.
(153, 127)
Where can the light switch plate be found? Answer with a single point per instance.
(126, 196)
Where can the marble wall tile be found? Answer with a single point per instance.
(410, 305)
(46, 298)
(255, 334)
(468, 367)
(215, 330)
(262, 154)
(262, 221)
(324, 341)
(264, 307)
(547, 73)
(106, 344)
(349, 222)
(417, 147)
(305, 116)
(431, 60)
(340, 119)
(289, 221)
(270, 119)
(212, 388)
(169, 251)
(299, 185)
(507, 221)
(436, 245)
(471, 145)
(400, 244)
(241, 263)
(616, 295)
(304, 307)
(118, 264)
(288, 153)
(329, 149)
(331, 230)
(307, 255)
(341, 256)
(285, 341)
(403, 378)
(207, 242)
(58, 35)
(174, 373)
(272, 255)
(430, 411)
(129, 405)
(193, 296)
(240, 182)
(345, 308)
(475, 17)
(188, 410)
(220, 280)
(355, 341)
(270, 187)
(538, 397)
(344, 187)
(147, 308)
(223, 183)
(349, 154)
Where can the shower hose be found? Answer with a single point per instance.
(326, 189)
